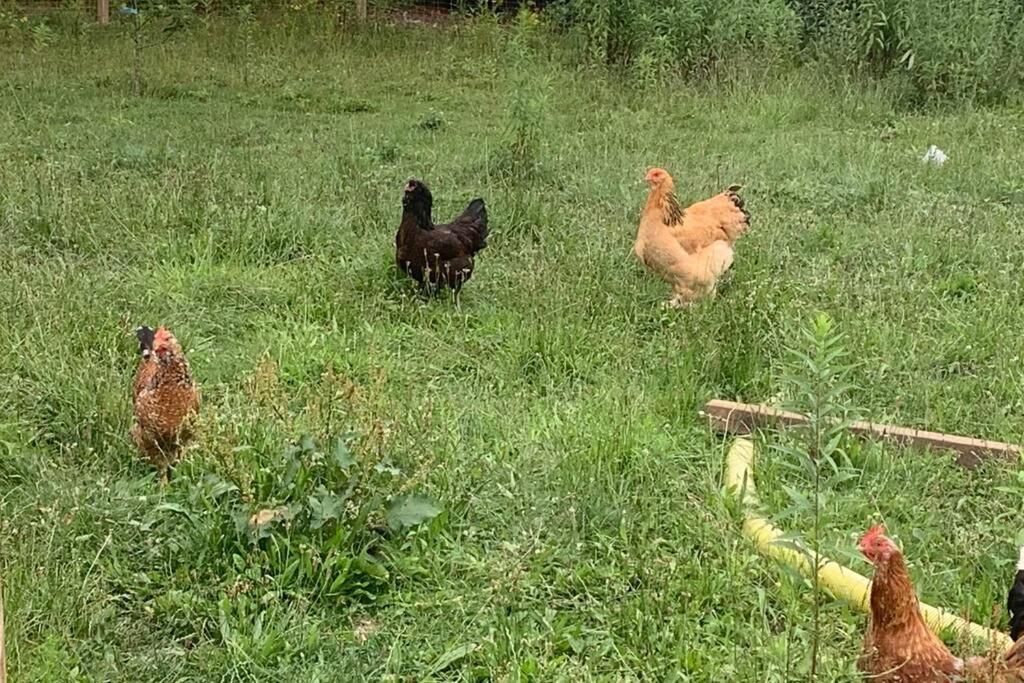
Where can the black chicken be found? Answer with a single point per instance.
(1015, 601)
(438, 254)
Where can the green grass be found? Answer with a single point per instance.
(552, 413)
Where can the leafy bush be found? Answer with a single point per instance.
(686, 35)
(946, 49)
(817, 381)
(313, 519)
(966, 50)
(308, 525)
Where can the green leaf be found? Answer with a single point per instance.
(450, 657)
(796, 546)
(307, 444)
(341, 454)
(338, 583)
(371, 566)
(410, 510)
(172, 507)
(294, 465)
(386, 467)
(324, 506)
(798, 498)
(218, 486)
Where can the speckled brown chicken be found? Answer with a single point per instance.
(165, 399)
(899, 647)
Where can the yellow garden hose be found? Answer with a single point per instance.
(843, 583)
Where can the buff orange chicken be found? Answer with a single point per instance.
(688, 248)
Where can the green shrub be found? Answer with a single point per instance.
(947, 50)
(683, 35)
(259, 528)
(972, 50)
(521, 158)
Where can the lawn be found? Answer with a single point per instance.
(249, 199)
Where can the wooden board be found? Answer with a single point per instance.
(745, 418)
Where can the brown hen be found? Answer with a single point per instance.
(165, 399)
(899, 647)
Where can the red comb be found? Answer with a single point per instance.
(873, 533)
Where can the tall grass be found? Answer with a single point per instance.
(249, 198)
(688, 36)
(928, 50)
(941, 50)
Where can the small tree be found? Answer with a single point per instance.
(141, 20)
(816, 379)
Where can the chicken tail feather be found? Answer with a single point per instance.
(476, 210)
(733, 193)
(474, 220)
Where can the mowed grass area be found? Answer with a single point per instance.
(250, 203)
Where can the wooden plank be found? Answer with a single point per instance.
(102, 16)
(745, 418)
(361, 9)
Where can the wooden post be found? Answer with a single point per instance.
(361, 9)
(103, 12)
